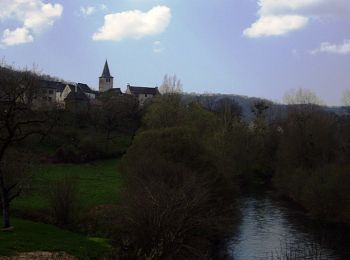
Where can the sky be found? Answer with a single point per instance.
(260, 48)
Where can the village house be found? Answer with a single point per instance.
(74, 95)
(141, 93)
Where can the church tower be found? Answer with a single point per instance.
(106, 80)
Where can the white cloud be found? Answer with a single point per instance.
(35, 16)
(158, 47)
(103, 7)
(87, 10)
(327, 47)
(134, 24)
(275, 25)
(17, 36)
(279, 17)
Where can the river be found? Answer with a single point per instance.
(270, 227)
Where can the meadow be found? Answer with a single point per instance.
(98, 184)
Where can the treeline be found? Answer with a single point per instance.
(186, 163)
(313, 162)
(103, 130)
(178, 201)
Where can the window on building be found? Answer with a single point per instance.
(108, 80)
(50, 92)
(49, 98)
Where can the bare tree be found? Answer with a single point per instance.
(346, 98)
(171, 85)
(302, 97)
(18, 121)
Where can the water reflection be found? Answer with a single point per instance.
(269, 227)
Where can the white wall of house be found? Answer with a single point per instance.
(90, 95)
(64, 94)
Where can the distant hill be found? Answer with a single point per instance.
(247, 103)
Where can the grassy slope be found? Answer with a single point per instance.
(31, 236)
(98, 184)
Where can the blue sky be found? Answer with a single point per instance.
(257, 48)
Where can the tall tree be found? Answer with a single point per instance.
(171, 85)
(116, 113)
(18, 121)
(346, 98)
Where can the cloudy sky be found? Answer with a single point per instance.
(248, 47)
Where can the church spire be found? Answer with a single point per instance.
(106, 80)
(106, 73)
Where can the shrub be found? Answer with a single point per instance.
(326, 193)
(63, 195)
(175, 204)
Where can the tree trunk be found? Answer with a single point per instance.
(5, 204)
(5, 210)
(6, 215)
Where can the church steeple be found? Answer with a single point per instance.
(106, 80)
(106, 73)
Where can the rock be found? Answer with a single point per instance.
(9, 229)
(40, 255)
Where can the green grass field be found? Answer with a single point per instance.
(99, 183)
(32, 236)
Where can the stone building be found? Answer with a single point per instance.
(106, 80)
(141, 93)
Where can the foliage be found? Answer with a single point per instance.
(116, 112)
(313, 163)
(19, 119)
(165, 111)
(169, 206)
(63, 196)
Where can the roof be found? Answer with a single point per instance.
(48, 84)
(115, 90)
(143, 90)
(85, 88)
(74, 96)
(76, 93)
(106, 73)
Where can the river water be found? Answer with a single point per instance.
(270, 229)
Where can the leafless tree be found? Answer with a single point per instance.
(18, 121)
(346, 98)
(171, 85)
(302, 97)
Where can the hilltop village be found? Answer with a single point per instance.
(80, 95)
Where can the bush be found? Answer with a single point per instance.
(326, 193)
(67, 153)
(63, 195)
(170, 203)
